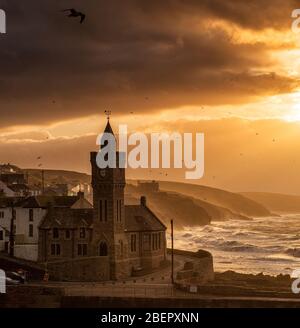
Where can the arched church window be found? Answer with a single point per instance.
(103, 251)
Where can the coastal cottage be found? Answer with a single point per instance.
(27, 213)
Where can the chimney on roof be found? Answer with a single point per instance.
(80, 194)
(143, 201)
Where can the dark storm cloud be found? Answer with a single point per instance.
(141, 55)
(252, 14)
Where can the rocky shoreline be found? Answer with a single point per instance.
(231, 283)
(280, 280)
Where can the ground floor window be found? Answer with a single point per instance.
(82, 250)
(156, 241)
(133, 243)
(55, 249)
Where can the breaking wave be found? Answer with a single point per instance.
(269, 245)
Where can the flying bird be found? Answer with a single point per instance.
(74, 13)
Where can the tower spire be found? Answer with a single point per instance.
(108, 128)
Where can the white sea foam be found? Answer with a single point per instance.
(270, 245)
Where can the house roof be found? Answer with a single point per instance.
(137, 218)
(82, 203)
(12, 177)
(44, 201)
(17, 187)
(9, 201)
(67, 218)
(141, 218)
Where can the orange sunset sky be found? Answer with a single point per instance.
(228, 68)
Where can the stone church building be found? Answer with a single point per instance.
(109, 241)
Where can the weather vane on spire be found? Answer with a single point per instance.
(107, 113)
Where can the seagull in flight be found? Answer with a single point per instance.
(74, 13)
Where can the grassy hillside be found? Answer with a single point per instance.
(185, 210)
(56, 176)
(219, 213)
(279, 203)
(234, 202)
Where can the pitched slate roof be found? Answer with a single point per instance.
(82, 203)
(9, 201)
(67, 218)
(137, 218)
(141, 218)
(44, 201)
(11, 178)
(17, 187)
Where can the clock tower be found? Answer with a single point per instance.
(109, 240)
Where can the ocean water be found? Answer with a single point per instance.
(270, 245)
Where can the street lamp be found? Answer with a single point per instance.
(172, 251)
